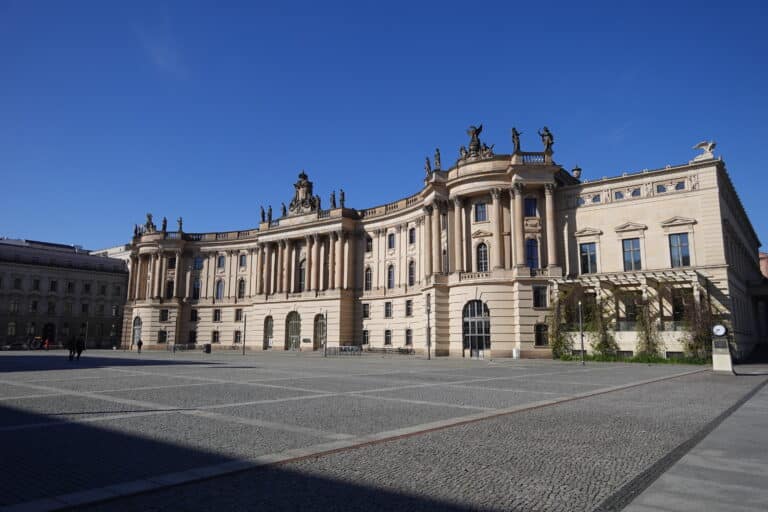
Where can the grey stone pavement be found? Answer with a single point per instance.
(286, 431)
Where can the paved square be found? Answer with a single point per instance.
(403, 432)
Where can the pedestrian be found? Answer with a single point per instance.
(46, 344)
(71, 347)
(80, 347)
(138, 345)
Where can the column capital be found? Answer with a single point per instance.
(549, 189)
(428, 210)
(518, 188)
(458, 202)
(496, 194)
(307, 238)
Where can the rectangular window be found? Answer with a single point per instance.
(366, 311)
(539, 296)
(217, 315)
(391, 241)
(243, 260)
(412, 236)
(162, 336)
(169, 290)
(530, 207)
(115, 310)
(588, 257)
(68, 308)
(215, 337)
(678, 306)
(368, 244)
(84, 308)
(86, 287)
(238, 315)
(196, 289)
(172, 263)
(35, 284)
(163, 315)
(100, 310)
(481, 213)
(70, 287)
(14, 306)
(197, 263)
(11, 328)
(387, 310)
(220, 261)
(541, 338)
(631, 248)
(409, 307)
(115, 290)
(53, 285)
(408, 337)
(193, 315)
(678, 250)
(193, 336)
(237, 337)
(365, 337)
(17, 283)
(33, 306)
(51, 308)
(387, 337)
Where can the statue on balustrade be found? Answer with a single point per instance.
(515, 140)
(283, 210)
(179, 221)
(427, 167)
(333, 199)
(269, 214)
(547, 139)
(474, 139)
(263, 214)
(303, 200)
(164, 227)
(437, 159)
(487, 151)
(149, 226)
(341, 197)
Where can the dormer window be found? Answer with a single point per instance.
(618, 195)
(635, 192)
(660, 189)
(680, 185)
(596, 198)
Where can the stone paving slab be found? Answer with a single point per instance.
(466, 396)
(58, 408)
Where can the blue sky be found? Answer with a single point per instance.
(109, 110)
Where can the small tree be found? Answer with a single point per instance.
(699, 319)
(603, 342)
(649, 343)
(560, 343)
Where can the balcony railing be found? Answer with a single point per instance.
(469, 276)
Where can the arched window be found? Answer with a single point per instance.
(241, 289)
(368, 279)
(196, 289)
(319, 334)
(476, 328)
(292, 331)
(391, 276)
(411, 273)
(368, 243)
(412, 236)
(532, 253)
(482, 258)
(219, 289)
(268, 327)
(302, 275)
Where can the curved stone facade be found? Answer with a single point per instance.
(510, 231)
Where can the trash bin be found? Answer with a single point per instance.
(207, 348)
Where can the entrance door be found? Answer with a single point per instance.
(136, 330)
(476, 329)
(268, 328)
(318, 340)
(293, 331)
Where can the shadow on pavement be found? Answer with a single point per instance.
(45, 458)
(59, 360)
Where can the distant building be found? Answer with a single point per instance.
(54, 291)
(472, 262)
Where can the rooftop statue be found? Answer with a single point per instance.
(303, 201)
(269, 214)
(149, 226)
(263, 214)
(474, 139)
(283, 210)
(341, 197)
(164, 225)
(547, 139)
(180, 222)
(437, 159)
(333, 199)
(707, 147)
(427, 167)
(487, 151)
(516, 140)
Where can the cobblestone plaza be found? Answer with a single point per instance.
(291, 431)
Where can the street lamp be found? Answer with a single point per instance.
(581, 334)
(245, 329)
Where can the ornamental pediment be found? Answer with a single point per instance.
(481, 234)
(630, 226)
(588, 232)
(677, 221)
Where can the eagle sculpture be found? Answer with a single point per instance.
(705, 146)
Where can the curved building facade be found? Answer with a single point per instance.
(469, 265)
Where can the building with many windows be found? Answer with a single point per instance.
(54, 292)
(473, 263)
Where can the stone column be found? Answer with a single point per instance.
(188, 285)
(259, 270)
(322, 258)
(177, 276)
(331, 261)
(280, 268)
(549, 191)
(315, 263)
(339, 260)
(428, 244)
(518, 224)
(309, 263)
(496, 251)
(287, 250)
(267, 278)
(458, 239)
(348, 255)
(132, 278)
(437, 247)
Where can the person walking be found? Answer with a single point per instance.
(71, 347)
(80, 347)
(138, 345)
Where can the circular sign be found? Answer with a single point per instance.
(719, 330)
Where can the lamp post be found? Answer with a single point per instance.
(581, 334)
(245, 329)
(429, 327)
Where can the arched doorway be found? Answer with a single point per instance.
(318, 340)
(49, 333)
(269, 325)
(293, 331)
(476, 329)
(136, 330)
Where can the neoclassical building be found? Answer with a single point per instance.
(469, 264)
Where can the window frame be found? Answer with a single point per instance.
(481, 260)
(388, 309)
(687, 246)
(387, 337)
(409, 307)
(632, 251)
(480, 211)
(529, 201)
(590, 269)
